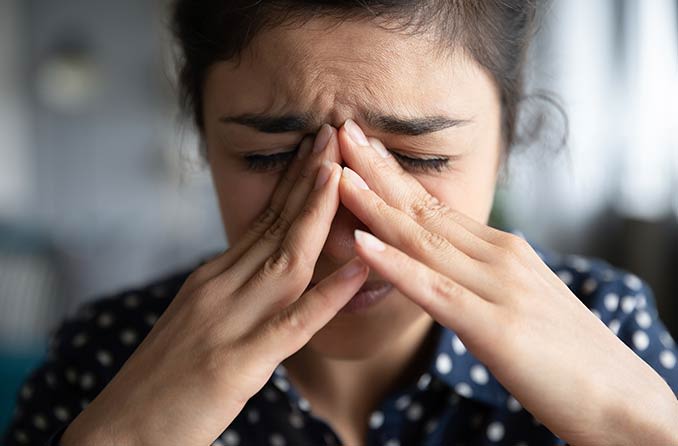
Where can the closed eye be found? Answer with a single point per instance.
(432, 164)
(269, 163)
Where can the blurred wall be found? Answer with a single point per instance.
(100, 187)
(613, 191)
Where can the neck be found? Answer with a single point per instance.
(349, 390)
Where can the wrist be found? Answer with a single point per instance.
(652, 420)
(84, 430)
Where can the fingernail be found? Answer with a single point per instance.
(305, 147)
(322, 138)
(355, 179)
(379, 147)
(368, 241)
(352, 269)
(323, 174)
(355, 132)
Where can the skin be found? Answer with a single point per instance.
(487, 285)
(334, 75)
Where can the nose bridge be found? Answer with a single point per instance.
(339, 245)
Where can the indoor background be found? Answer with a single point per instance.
(101, 187)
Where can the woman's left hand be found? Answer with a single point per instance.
(509, 309)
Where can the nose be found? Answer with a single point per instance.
(339, 246)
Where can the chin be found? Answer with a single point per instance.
(355, 336)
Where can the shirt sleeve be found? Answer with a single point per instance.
(57, 390)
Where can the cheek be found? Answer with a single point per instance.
(242, 198)
(469, 191)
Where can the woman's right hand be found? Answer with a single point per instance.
(233, 321)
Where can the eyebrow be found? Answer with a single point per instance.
(397, 125)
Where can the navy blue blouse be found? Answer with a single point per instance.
(456, 401)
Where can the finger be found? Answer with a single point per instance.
(398, 229)
(383, 174)
(403, 191)
(287, 272)
(291, 328)
(267, 247)
(224, 260)
(445, 299)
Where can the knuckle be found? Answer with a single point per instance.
(278, 264)
(277, 230)
(445, 289)
(198, 276)
(285, 264)
(431, 241)
(266, 218)
(292, 323)
(504, 256)
(382, 207)
(213, 287)
(426, 209)
(515, 244)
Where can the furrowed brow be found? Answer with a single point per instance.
(387, 123)
(411, 126)
(272, 124)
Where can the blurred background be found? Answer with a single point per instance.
(101, 186)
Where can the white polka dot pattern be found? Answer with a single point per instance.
(667, 359)
(230, 437)
(565, 276)
(444, 363)
(414, 412)
(479, 374)
(458, 346)
(495, 431)
(640, 340)
(611, 302)
(403, 402)
(376, 419)
(84, 353)
(513, 404)
(277, 439)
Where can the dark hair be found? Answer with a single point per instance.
(496, 33)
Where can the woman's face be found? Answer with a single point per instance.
(329, 73)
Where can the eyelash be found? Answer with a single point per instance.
(265, 163)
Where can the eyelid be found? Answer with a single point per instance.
(270, 152)
(421, 156)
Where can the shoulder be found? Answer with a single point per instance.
(86, 349)
(100, 334)
(608, 290)
(624, 302)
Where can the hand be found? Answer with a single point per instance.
(232, 322)
(509, 309)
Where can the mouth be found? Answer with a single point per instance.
(368, 295)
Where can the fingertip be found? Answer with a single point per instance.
(368, 241)
(379, 147)
(305, 147)
(354, 268)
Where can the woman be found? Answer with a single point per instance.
(370, 304)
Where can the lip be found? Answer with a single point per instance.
(368, 295)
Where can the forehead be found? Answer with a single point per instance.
(337, 70)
